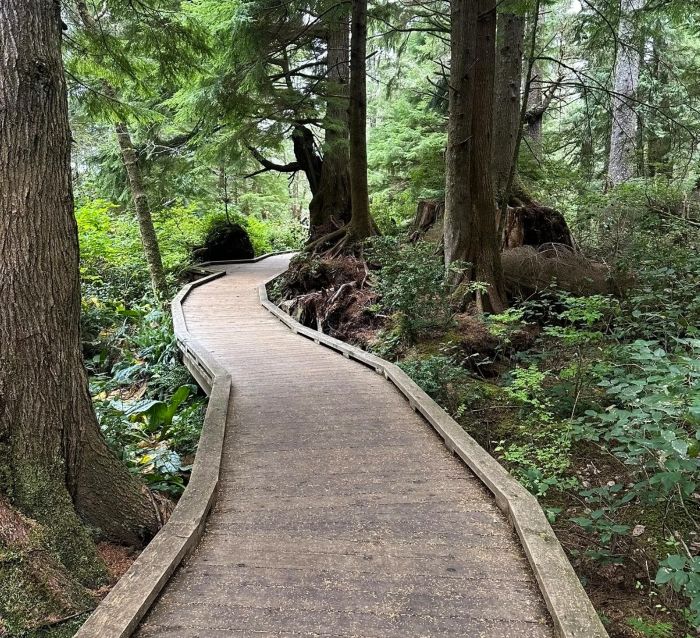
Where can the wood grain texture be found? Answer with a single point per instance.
(340, 512)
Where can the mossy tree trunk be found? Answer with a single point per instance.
(54, 462)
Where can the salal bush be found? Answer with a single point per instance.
(650, 421)
(412, 285)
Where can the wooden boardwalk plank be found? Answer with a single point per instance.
(340, 512)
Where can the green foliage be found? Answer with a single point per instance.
(650, 422)
(440, 376)
(412, 285)
(145, 400)
(683, 574)
(653, 422)
(538, 452)
(651, 629)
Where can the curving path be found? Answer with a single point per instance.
(340, 512)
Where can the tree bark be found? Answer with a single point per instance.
(535, 98)
(507, 105)
(330, 206)
(53, 458)
(623, 134)
(471, 233)
(659, 134)
(149, 239)
(484, 248)
(361, 225)
(458, 193)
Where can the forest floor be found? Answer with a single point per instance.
(521, 384)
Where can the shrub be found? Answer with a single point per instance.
(412, 286)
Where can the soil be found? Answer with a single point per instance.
(117, 558)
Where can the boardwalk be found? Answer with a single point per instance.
(340, 512)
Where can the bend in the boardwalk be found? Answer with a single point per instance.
(340, 512)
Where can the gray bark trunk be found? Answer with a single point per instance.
(149, 239)
(623, 134)
(507, 105)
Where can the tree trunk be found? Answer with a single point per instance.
(149, 239)
(484, 247)
(659, 134)
(507, 105)
(458, 193)
(361, 225)
(331, 206)
(471, 233)
(623, 134)
(535, 98)
(52, 451)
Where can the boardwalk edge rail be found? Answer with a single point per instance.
(571, 610)
(118, 615)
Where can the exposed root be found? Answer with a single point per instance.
(36, 589)
(340, 241)
(331, 295)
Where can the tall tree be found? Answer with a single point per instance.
(134, 174)
(282, 70)
(508, 96)
(458, 156)
(471, 234)
(623, 130)
(55, 463)
(361, 222)
(332, 202)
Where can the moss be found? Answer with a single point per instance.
(41, 497)
(66, 629)
(34, 590)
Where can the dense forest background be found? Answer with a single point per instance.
(519, 230)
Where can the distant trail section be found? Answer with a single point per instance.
(340, 512)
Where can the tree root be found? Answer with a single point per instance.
(36, 588)
(338, 242)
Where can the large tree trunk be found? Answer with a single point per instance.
(484, 247)
(458, 192)
(471, 233)
(623, 134)
(507, 104)
(53, 454)
(361, 225)
(149, 240)
(330, 206)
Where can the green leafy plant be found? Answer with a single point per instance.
(682, 573)
(412, 285)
